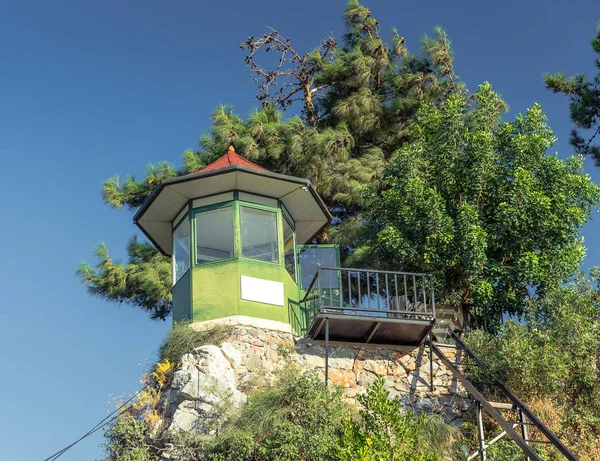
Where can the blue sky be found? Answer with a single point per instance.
(90, 89)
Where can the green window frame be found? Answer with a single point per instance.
(180, 265)
(291, 265)
(251, 246)
(236, 206)
(213, 253)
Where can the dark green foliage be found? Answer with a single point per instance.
(131, 192)
(145, 281)
(584, 97)
(551, 360)
(553, 352)
(182, 338)
(480, 204)
(299, 418)
(384, 431)
(129, 439)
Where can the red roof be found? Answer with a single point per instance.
(230, 158)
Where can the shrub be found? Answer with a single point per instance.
(549, 359)
(298, 418)
(383, 431)
(128, 439)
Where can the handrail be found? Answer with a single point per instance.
(308, 290)
(370, 292)
(372, 271)
(516, 401)
(480, 398)
(380, 311)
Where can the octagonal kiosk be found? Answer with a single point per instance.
(232, 229)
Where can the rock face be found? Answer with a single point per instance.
(202, 390)
(214, 379)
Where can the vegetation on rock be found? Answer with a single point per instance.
(299, 418)
(182, 338)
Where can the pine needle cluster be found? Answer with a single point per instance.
(584, 104)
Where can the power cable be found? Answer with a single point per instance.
(107, 420)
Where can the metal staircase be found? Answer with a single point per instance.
(448, 320)
(399, 308)
(517, 429)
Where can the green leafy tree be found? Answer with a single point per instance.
(584, 97)
(359, 101)
(480, 203)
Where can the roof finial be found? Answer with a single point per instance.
(231, 149)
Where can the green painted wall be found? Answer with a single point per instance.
(216, 290)
(182, 297)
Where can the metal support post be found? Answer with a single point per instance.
(524, 432)
(327, 351)
(482, 450)
(430, 361)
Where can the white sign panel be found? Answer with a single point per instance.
(262, 291)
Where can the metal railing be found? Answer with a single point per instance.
(365, 292)
(527, 420)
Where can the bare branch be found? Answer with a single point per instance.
(290, 72)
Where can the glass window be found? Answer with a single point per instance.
(311, 258)
(289, 251)
(181, 250)
(259, 234)
(214, 235)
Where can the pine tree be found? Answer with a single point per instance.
(145, 281)
(584, 97)
(358, 103)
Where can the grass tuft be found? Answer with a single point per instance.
(182, 338)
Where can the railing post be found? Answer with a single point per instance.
(387, 293)
(349, 289)
(524, 431)
(378, 294)
(330, 289)
(368, 290)
(415, 293)
(319, 288)
(430, 361)
(432, 295)
(424, 292)
(480, 433)
(359, 300)
(340, 287)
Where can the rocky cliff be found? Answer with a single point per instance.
(215, 378)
